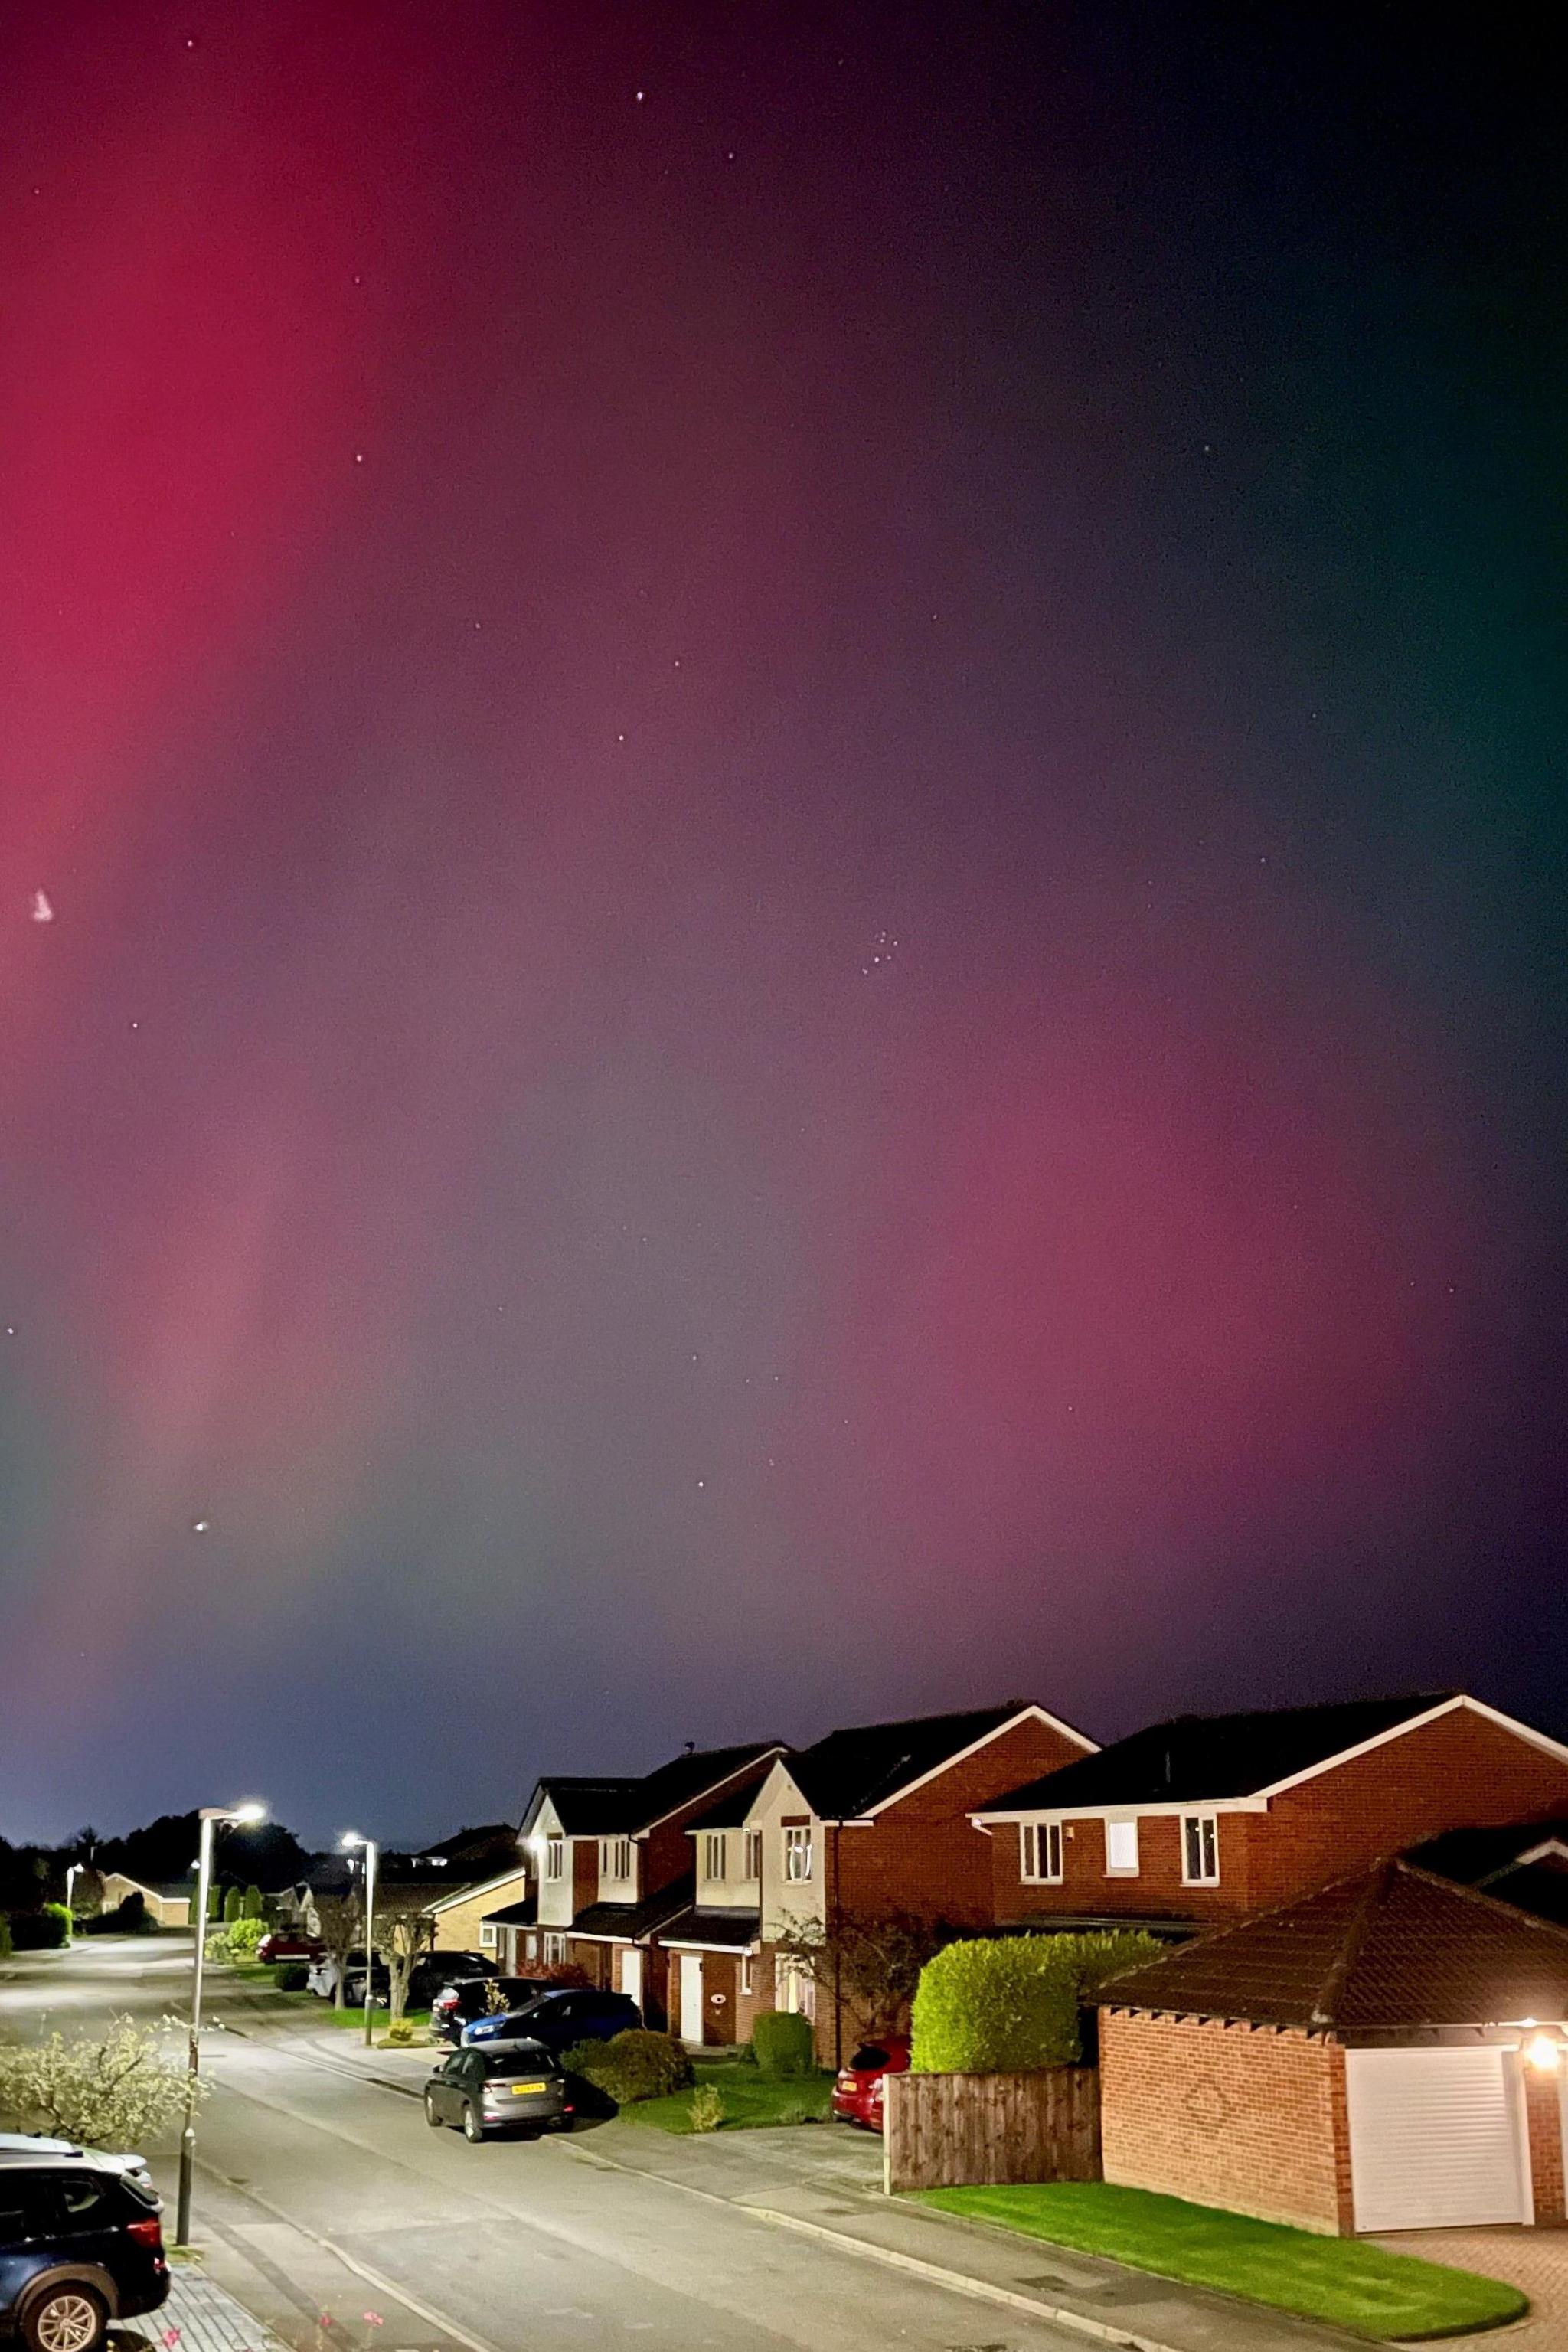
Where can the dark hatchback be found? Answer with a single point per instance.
(519, 2088)
(559, 2017)
(81, 2244)
(471, 1996)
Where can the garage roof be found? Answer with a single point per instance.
(1394, 1948)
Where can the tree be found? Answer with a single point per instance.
(867, 1962)
(250, 1909)
(232, 1901)
(341, 1919)
(114, 2093)
(403, 1930)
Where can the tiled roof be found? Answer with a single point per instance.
(729, 1811)
(514, 1915)
(849, 1771)
(1476, 1856)
(729, 1931)
(1198, 1758)
(620, 1805)
(1394, 1948)
(626, 1921)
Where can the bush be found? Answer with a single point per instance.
(239, 1942)
(5, 1945)
(39, 1931)
(400, 2034)
(250, 1909)
(231, 1906)
(61, 1911)
(292, 1975)
(632, 2065)
(784, 2045)
(707, 2107)
(127, 1918)
(1012, 2004)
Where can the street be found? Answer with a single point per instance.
(327, 2205)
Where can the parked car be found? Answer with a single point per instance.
(518, 2088)
(322, 1980)
(354, 1984)
(81, 2242)
(470, 1997)
(564, 2015)
(857, 2087)
(289, 1943)
(433, 1972)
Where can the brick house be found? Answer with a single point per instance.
(483, 1917)
(1384, 2054)
(613, 1864)
(872, 1818)
(1211, 1817)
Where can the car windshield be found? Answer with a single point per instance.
(532, 2059)
(865, 2060)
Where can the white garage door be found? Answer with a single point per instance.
(1436, 2138)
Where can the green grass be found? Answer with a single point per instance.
(1342, 2281)
(354, 2018)
(751, 2101)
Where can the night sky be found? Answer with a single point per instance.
(797, 779)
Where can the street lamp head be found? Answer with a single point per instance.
(249, 1814)
(351, 1841)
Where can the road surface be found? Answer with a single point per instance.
(331, 2209)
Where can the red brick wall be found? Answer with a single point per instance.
(1458, 1773)
(584, 1874)
(1543, 2116)
(1224, 2116)
(666, 1853)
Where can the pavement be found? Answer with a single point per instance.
(199, 2317)
(1535, 2260)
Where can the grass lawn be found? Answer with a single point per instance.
(1340, 2280)
(750, 2099)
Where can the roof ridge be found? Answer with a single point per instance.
(1325, 2007)
(1491, 1903)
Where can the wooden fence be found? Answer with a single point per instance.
(956, 2131)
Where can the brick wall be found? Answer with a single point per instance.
(1157, 1892)
(1226, 2115)
(1544, 2120)
(457, 1929)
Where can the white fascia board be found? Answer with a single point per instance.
(472, 1893)
(1417, 1723)
(1122, 1812)
(1025, 1715)
(714, 1789)
(691, 1944)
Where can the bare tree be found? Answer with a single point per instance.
(342, 1918)
(869, 1962)
(403, 1929)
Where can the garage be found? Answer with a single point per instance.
(1437, 2137)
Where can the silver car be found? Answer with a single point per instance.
(518, 2088)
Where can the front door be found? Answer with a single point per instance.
(691, 1998)
(631, 1973)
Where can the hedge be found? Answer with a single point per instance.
(784, 2045)
(1010, 2004)
(632, 2065)
(5, 1947)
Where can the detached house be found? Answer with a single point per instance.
(613, 1864)
(875, 1818)
(1208, 1817)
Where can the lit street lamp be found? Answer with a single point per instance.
(230, 1816)
(71, 1869)
(353, 1842)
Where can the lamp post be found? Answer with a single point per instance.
(71, 1869)
(211, 1816)
(354, 1843)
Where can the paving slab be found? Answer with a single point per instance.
(1536, 2261)
(199, 2317)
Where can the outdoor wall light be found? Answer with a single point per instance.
(1543, 2053)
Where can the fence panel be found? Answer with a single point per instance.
(959, 2131)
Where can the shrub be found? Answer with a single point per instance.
(129, 1917)
(292, 1975)
(707, 2107)
(231, 1906)
(784, 2045)
(250, 1907)
(1008, 2005)
(61, 1911)
(5, 1945)
(39, 1931)
(632, 2065)
(400, 2032)
(242, 1939)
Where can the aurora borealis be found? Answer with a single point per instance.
(798, 774)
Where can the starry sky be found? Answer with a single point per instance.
(797, 778)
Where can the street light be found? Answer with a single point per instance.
(71, 1869)
(230, 1816)
(354, 1843)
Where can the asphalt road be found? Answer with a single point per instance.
(331, 2209)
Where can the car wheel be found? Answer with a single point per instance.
(66, 2319)
(431, 2116)
(473, 2130)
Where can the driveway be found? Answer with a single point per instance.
(1535, 2260)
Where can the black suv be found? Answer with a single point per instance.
(460, 2003)
(81, 2243)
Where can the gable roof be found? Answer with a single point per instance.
(1394, 1947)
(854, 1772)
(1206, 1758)
(1475, 1857)
(447, 1896)
(168, 1890)
(625, 1804)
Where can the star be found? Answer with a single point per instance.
(200, 1526)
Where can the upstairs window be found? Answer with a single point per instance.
(713, 1853)
(1040, 1852)
(753, 1855)
(1199, 1850)
(1121, 1849)
(614, 1858)
(797, 1854)
(556, 1858)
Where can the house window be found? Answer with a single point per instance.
(745, 1972)
(615, 1858)
(797, 1854)
(1199, 1850)
(713, 1854)
(532, 1946)
(1121, 1849)
(556, 1858)
(487, 1935)
(1040, 1852)
(753, 1868)
(795, 1987)
(554, 1950)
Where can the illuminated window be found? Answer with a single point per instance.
(1121, 1849)
(1199, 1850)
(797, 1854)
(1040, 1852)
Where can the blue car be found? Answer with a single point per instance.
(81, 2243)
(560, 2018)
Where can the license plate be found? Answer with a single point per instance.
(526, 2090)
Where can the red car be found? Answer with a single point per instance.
(289, 1943)
(857, 2087)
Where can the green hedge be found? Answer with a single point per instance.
(1007, 2005)
(4, 1936)
(784, 2045)
(39, 1931)
(631, 2066)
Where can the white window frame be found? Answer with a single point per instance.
(752, 1856)
(712, 1854)
(554, 1857)
(615, 1859)
(797, 1854)
(489, 1934)
(1040, 1853)
(554, 1952)
(1126, 1832)
(1205, 1827)
(745, 1972)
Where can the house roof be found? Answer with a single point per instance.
(513, 1915)
(1199, 1758)
(729, 1813)
(621, 1806)
(1476, 1856)
(623, 1923)
(169, 1890)
(1393, 1948)
(446, 1896)
(722, 1931)
(849, 1772)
